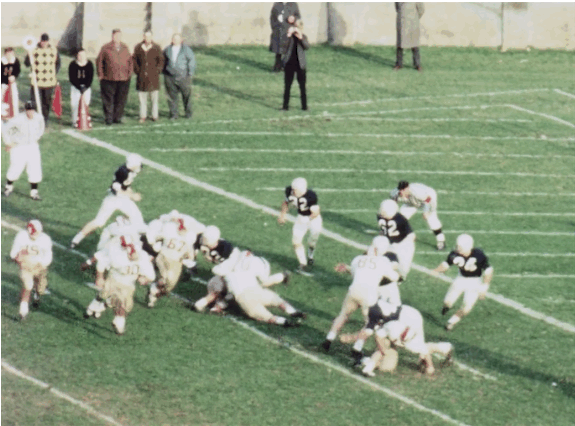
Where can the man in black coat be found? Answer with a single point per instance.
(278, 22)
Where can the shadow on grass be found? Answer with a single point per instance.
(236, 93)
(236, 58)
(350, 51)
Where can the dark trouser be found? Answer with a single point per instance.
(290, 69)
(45, 100)
(174, 86)
(416, 58)
(278, 63)
(114, 97)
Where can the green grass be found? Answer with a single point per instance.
(175, 367)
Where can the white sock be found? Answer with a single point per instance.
(78, 238)
(300, 254)
(331, 336)
(280, 320)
(453, 320)
(201, 304)
(358, 346)
(24, 309)
(120, 322)
(289, 309)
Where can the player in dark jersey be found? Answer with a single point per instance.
(397, 229)
(308, 219)
(475, 275)
(120, 197)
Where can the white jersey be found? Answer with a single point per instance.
(175, 245)
(116, 229)
(21, 130)
(37, 251)
(420, 195)
(247, 271)
(369, 271)
(121, 269)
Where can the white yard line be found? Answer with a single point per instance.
(540, 114)
(249, 203)
(295, 350)
(561, 92)
(525, 233)
(13, 370)
(537, 276)
(378, 171)
(418, 98)
(462, 213)
(439, 191)
(355, 152)
(337, 135)
(503, 254)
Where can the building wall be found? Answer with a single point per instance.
(510, 25)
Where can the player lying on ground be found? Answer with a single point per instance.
(248, 283)
(373, 277)
(32, 251)
(473, 265)
(402, 326)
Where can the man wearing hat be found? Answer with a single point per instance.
(46, 64)
(21, 135)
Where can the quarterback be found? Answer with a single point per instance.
(473, 280)
(308, 219)
(32, 251)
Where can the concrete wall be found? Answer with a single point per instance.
(510, 25)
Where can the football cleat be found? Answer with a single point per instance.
(449, 326)
(35, 300)
(73, 245)
(441, 245)
(289, 323)
(287, 277)
(36, 197)
(449, 358)
(309, 261)
(444, 310)
(298, 314)
(7, 191)
(326, 345)
(304, 270)
(357, 357)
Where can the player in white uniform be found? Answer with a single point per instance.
(402, 326)
(120, 197)
(176, 246)
(418, 197)
(248, 281)
(21, 135)
(32, 251)
(395, 226)
(308, 219)
(473, 280)
(119, 266)
(373, 277)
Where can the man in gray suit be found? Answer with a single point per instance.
(180, 65)
(408, 16)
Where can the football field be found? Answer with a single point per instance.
(492, 133)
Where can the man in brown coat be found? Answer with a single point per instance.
(408, 16)
(114, 63)
(148, 65)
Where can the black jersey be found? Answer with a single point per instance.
(10, 69)
(302, 203)
(218, 254)
(377, 318)
(469, 266)
(396, 228)
(123, 178)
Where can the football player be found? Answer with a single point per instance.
(396, 228)
(402, 326)
(473, 280)
(119, 266)
(177, 238)
(120, 197)
(247, 282)
(32, 251)
(308, 219)
(373, 276)
(416, 196)
(216, 250)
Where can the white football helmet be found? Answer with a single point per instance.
(299, 186)
(464, 244)
(34, 228)
(388, 209)
(211, 236)
(134, 162)
(379, 245)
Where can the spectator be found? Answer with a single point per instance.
(407, 23)
(114, 64)
(294, 45)
(10, 72)
(180, 65)
(278, 22)
(148, 65)
(46, 66)
(81, 74)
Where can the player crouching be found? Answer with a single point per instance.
(118, 268)
(402, 326)
(32, 251)
(248, 283)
